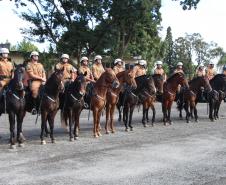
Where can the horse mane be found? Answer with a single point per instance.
(157, 76)
(174, 76)
(195, 79)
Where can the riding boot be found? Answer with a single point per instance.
(34, 103)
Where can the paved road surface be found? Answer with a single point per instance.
(181, 154)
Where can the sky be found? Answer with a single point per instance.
(208, 20)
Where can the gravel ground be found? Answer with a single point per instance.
(181, 154)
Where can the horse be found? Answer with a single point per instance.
(107, 80)
(127, 77)
(14, 104)
(170, 88)
(73, 103)
(131, 97)
(188, 98)
(159, 81)
(218, 83)
(50, 102)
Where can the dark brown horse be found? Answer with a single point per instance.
(73, 103)
(218, 83)
(98, 100)
(14, 103)
(50, 102)
(169, 94)
(188, 98)
(125, 77)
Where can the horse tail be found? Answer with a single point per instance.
(63, 120)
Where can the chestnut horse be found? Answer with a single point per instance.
(190, 97)
(98, 100)
(50, 102)
(170, 88)
(73, 102)
(127, 77)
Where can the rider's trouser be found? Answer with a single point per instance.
(34, 87)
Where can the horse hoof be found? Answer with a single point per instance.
(107, 132)
(131, 129)
(71, 139)
(96, 136)
(113, 131)
(126, 129)
(76, 138)
(99, 134)
(145, 125)
(53, 141)
(13, 146)
(43, 142)
(21, 145)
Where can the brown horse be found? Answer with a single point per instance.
(98, 100)
(50, 102)
(190, 97)
(170, 88)
(127, 77)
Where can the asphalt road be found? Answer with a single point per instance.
(181, 154)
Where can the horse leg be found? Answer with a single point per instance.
(131, 116)
(144, 114)
(20, 118)
(12, 128)
(211, 106)
(125, 117)
(95, 112)
(76, 127)
(112, 110)
(43, 126)
(169, 113)
(98, 122)
(50, 118)
(153, 114)
(186, 107)
(195, 113)
(164, 111)
(70, 116)
(119, 112)
(107, 117)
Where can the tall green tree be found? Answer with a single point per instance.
(24, 46)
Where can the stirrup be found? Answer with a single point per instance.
(33, 111)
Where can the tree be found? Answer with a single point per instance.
(24, 46)
(222, 61)
(188, 4)
(169, 55)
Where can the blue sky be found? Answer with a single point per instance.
(208, 20)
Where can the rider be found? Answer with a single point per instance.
(179, 68)
(210, 71)
(160, 70)
(140, 68)
(84, 68)
(224, 70)
(118, 66)
(200, 71)
(97, 68)
(69, 70)
(37, 77)
(6, 69)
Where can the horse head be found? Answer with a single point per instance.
(80, 83)
(110, 78)
(58, 77)
(159, 81)
(182, 79)
(127, 77)
(19, 75)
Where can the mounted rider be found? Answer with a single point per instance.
(118, 66)
(210, 71)
(37, 77)
(200, 71)
(97, 68)
(69, 70)
(140, 68)
(160, 70)
(6, 69)
(179, 68)
(84, 68)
